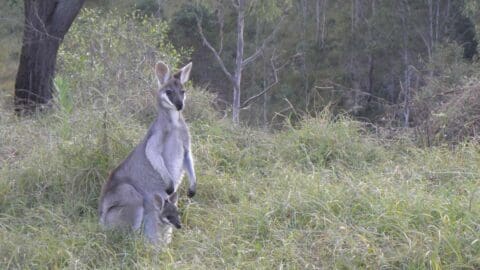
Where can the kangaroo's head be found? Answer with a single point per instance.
(171, 93)
(168, 212)
(170, 215)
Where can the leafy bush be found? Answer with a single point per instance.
(109, 57)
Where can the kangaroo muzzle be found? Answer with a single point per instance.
(177, 225)
(179, 105)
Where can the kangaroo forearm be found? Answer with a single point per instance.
(159, 166)
(153, 152)
(191, 176)
(189, 167)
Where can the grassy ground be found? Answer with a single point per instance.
(320, 195)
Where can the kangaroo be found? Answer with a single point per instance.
(156, 165)
(165, 210)
(168, 212)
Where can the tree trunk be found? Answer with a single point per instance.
(447, 17)
(324, 22)
(430, 33)
(317, 21)
(355, 78)
(304, 8)
(237, 77)
(46, 23)
(406, 62)
(437, 19)
(236, 104)
(240, 63)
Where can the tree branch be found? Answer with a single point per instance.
(235, 5)
(271, 85)
(267, 40)
(64, 14)
(221, 22)
(215, 53)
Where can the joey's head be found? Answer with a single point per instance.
(168, 212)
(171, 92)
(170, 215)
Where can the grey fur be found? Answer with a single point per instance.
(168, 213)
(155, 167)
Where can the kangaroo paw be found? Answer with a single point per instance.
(170, 189)
(191, 193)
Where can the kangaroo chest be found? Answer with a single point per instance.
(173, 152)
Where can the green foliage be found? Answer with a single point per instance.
(200, 104)
(149, 7)
(105, 49)
(184, 25)
(10, 36)
(268, 10)
(64, 95)
(321, 194)
(472, 11)
(348, 55)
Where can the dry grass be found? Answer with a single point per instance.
(321, 195)
(318, 196)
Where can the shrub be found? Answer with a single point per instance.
(109, 57)
(451, 113)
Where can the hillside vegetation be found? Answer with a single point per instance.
(322, 193)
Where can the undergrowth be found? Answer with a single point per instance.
(323, 194)
(320, 194)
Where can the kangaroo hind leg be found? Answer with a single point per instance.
(123, 207)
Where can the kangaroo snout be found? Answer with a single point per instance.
(179, 105)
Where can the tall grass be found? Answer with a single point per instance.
(324, 194)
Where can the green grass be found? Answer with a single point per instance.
(321, 195)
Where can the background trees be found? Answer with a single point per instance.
(241, 61)
(369, 58)
(375, 60)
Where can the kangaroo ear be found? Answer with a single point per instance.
(159, 201)
(163, 72)
(184, 73)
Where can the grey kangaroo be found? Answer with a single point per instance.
(155, 167)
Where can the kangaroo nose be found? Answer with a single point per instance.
(179, 105)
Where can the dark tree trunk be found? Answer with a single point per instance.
(46, 23)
